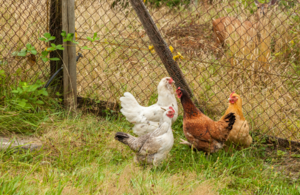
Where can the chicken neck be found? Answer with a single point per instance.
(190, 110)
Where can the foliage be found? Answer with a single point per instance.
(155, 3)
(24, 106)
(169, 3)
(28, 97)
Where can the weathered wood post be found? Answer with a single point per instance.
(69, 55)
(160, 46)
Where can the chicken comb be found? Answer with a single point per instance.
(171, 79)
(171, 108)
(231, 94)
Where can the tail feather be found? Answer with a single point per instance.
(122, 137)
(134, 143)
(130, 107)
(230, 119)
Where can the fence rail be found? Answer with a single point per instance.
(253, 49)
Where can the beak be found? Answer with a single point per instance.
(163, 109)
(229, 99)
(173, 81)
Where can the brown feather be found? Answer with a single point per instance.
(201, 131)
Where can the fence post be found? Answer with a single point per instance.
(160, 46)
(55, 25)
(69, 55)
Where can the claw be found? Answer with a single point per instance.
(185, 142)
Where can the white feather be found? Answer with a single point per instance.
(146, 119)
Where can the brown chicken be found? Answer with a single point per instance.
(202, 132)
(239, 135)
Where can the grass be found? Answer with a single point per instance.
(121, 62)
(24, 105)
(80, 156)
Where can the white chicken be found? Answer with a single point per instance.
(152, 148)
(146, 119)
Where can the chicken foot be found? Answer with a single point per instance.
(185, 142)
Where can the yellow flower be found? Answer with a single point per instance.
(292, 42)
(151, 48)
(75, 33)
(272, 167)
(144, 1)
(47, 49)
(178, 56)
(171, 49)
(181, 57)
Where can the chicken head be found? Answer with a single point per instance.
(170, 80)
(178, 92)
(233, 98)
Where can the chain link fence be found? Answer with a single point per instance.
(22, 23)
(220, 46)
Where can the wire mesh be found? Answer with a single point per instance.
(254, 53)
(22, 23)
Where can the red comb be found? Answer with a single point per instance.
(178, 88)
(171, 108)
(171, 79)
(232, 93)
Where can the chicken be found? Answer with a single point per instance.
(152, 148)
(203, 133)
(146, 119)
(239, 135)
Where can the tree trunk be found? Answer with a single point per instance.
(160, 46)
(55, 25)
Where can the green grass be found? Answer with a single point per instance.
(80, 156)
(24, 105)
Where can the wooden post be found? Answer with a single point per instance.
(69, 55)
(55, 28)
(160, 46)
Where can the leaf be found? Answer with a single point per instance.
(54, 59)
(51, 38)
(95, 35)
(39, 102)
(47, 35)
(45, 59)
(28, 45)
(45, 53)
(43, 92)
(63, 34)
(42, 39)
(89, 38)
(22, 53)
(60, 47)
(22, 103)
(34, 52)
(86, 47)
